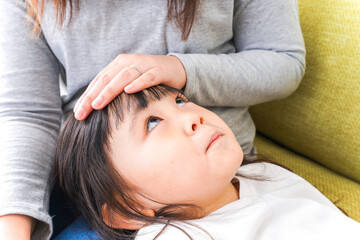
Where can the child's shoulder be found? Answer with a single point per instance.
(267, 180)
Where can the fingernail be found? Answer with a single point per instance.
(75, 107)
(78, 103)
(97, 102)
(128, 87)
(80, 113)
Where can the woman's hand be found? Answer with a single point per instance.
(130, 73)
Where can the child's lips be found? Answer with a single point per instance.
(214, 137)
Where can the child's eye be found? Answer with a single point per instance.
(152, 122)
(180, 101)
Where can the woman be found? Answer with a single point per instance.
(226, 56)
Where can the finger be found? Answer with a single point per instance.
(83, 94)
(91, 93)
(115, 87)
(89, 88)
(146, 80)
(107, 70)
(83, 109)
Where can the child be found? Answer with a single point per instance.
(154, 161)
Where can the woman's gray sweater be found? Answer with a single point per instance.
(239, 53)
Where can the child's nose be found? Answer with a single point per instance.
(192, 122)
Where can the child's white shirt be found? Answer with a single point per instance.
(283, 207)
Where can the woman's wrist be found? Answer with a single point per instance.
(16, 226)
(180, 74)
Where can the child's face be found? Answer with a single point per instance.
(175, 151)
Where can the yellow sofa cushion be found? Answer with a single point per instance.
(321, 120)
(344, 192)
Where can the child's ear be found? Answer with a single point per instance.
(116, 220)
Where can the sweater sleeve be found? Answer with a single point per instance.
(30, 112)
(268, 64)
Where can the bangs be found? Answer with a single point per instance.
(138, 101)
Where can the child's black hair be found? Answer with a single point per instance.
(85, 172)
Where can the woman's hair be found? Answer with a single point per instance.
(183, 12)
(85, 172)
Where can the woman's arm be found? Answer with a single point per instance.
(30, 111)
(17, 227)
(269, 63)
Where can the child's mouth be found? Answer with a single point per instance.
(215, 136)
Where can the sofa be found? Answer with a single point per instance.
(316, 131)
